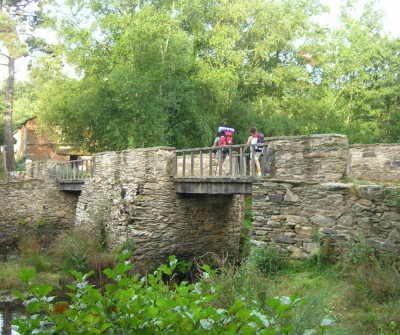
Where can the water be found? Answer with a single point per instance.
(8, 313)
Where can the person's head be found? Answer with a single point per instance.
(253, 130)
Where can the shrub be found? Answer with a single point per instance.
(361, 252)
(145, 306)
(73, 250)
(32, 254)
(269, 259)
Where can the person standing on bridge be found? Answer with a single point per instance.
(217, 143)
(253, 140)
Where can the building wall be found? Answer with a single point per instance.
(33, 144)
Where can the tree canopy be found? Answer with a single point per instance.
(169, 72)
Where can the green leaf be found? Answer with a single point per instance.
(327, 321)
(19, 295)
(165, 269)
(273, 303)
(243, 314)
(27, 275)
(153, 311)
(238, 304)
(33, 307)
(110, 273)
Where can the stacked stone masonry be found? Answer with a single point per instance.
(374, 162)
(35, 208)
(132, 198)
(297, 215)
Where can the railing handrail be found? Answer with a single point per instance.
(237, 165)
(75, 161)
(233, 146)
(75, 170)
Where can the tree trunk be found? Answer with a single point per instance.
(8, 133)
(7, 318)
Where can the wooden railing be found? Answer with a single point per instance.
(207, 162)
(75, 170)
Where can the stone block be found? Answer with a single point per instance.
(275, 198)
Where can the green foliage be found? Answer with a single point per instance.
(395, 192)
(33, 255)
(361, 251)
(129, 245)
(322, 254)
(146, 306)
(245, 237)
(73, 250)
(184, 267)
(269, 259)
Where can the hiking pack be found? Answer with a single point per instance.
(225, 135)
(260, 139)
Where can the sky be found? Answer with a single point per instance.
(390, 7)
(390, 21)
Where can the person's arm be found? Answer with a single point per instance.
(215, 142)
(248, 142)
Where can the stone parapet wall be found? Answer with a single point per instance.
(292, 213)
(374, 162)
(38, 170)
(312, 157)
(132, 198)
(34, 207)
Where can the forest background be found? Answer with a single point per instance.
(139, 73)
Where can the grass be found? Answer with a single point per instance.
(361, 300)
(361, 294)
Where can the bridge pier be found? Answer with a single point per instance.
(132, 197)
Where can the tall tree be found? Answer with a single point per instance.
(170, 72)
(18, 19)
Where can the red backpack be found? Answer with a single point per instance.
(226, 139)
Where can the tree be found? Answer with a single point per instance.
(170, 72)
(18, 19)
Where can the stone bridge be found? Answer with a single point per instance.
(305, 193)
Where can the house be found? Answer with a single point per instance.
(34, 144)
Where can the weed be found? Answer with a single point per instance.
(245, 237)
(32, 254)
(361, 251)
(129, 245)
(73, 249)
(269, 259)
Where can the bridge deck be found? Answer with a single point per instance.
(224, 185)
(197, 171)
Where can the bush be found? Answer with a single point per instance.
(269, 259)
(73, 250)
(145, 306)
(32, 254)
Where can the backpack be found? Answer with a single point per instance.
(260, 139)
(226, 139)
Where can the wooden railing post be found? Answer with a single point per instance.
(230, 162)
(176, 165)
(236, 163)
(192, 163)
(201, 163)
(253, 155)
(210, 163)
(184, 164)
